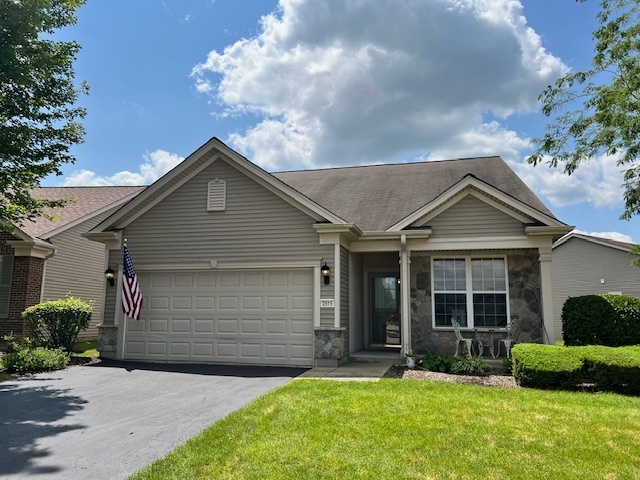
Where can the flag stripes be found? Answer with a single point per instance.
(131, 295)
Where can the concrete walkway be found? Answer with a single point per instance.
(354, 371)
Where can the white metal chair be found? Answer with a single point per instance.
(509, 340)
(460, 339)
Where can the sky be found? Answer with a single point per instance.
(301, 84)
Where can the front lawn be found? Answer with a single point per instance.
(85, 349)
(407, 429)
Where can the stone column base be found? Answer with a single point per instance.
(107, 341)
(329, 347)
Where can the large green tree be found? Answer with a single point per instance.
(597, 111)
(39, 120)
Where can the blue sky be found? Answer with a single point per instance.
(304, 84)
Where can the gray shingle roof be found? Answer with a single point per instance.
(378, 196)
(89, 200)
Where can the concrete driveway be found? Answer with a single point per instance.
(109, 420)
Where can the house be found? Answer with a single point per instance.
(588, 265)
(237, 265)
(44, 260)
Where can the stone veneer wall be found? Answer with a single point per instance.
(330, 347)
(107, 340)
(524, 287)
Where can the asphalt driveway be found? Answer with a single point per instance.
(109, 420)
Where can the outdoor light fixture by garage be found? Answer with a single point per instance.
(110, 275)
(325, 271)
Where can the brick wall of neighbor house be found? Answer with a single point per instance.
(26, 287)
(524, 281)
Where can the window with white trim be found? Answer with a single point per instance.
(472, 290)
(217, 195)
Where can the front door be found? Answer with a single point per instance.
(385, 310)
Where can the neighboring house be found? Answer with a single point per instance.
(230, 260)
(44, 260)
(587, 265)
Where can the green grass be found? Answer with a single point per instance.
(407, 429)
(85, 349)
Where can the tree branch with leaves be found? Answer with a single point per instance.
(598, 110)
(39, 120)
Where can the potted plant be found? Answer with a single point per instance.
(412, 360)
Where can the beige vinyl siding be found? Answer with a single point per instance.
(78, 268)
(471, 217)
(578, 266)
(256, 224)
(108, 314)
(327, 315)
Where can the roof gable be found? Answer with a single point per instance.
(88, 202)
(606, 242)
(210, 152)
(392, 197)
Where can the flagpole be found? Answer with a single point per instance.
(124, 321)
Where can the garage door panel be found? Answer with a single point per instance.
(203, 326)
(205, 303)
(252, 303)
(180, 325)
(155, 302)
(228, 303)
(182, 303)
(253, 317)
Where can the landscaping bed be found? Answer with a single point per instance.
(498, 380)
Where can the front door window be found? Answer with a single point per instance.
(385, 317)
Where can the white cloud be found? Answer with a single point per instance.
(156, 164)
(362, 82)
(620, 237)
(597, 182)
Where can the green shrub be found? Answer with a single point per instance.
(437, 362)
(14, 341)
(545, 366)
(38, 359)
(598, 367)
(611, 320)
(626, 330)
(470, 366)
(587, 320)
(56, 324)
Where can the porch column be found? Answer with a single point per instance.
(336, 285)
(546, 294)
(405, 308)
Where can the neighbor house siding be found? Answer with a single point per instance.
(580, 265)
(471, 217)
(78, 268)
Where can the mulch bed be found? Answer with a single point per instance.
(505, 381)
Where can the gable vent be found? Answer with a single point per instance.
(217, 195)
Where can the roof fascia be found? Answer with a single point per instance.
(466, 183)
(89, 216)
(588, 238)
(31, 248)
(545, 231)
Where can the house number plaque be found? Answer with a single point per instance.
(327, 303)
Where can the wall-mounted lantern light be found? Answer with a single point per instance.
(398, 279)
(325, 271)
(110, 275)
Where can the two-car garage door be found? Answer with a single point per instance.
(254, 317)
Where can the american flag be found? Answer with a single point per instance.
(131, 296)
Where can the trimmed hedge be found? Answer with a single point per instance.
(33, 360)
(56, 323)
(611, 320)
(571, 368)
